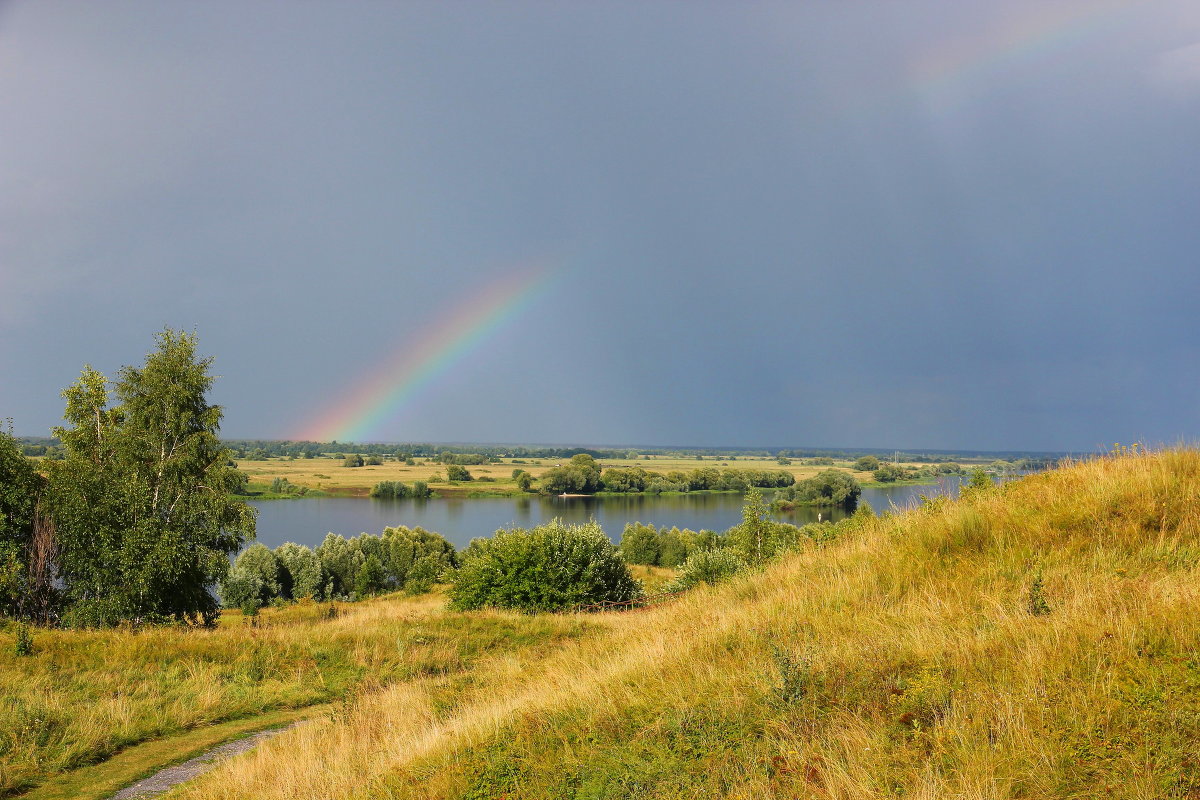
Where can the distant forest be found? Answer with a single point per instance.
(260, 449)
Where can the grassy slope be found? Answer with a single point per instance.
(85, 695)
(900, 661)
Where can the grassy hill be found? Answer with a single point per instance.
(1039, 639)
(1036, 640)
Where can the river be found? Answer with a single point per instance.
(307, 520)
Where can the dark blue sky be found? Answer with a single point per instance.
(919, 225)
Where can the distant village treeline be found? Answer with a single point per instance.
(258, 449)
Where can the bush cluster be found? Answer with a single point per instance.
(284, 486)
(756, 541)
(398, 490)
(829, 487)
(636, 479)
(401, 558)
(663, 547)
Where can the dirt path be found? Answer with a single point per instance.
(166, 779)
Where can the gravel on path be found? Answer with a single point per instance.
(166, 779)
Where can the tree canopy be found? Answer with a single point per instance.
(141, 502)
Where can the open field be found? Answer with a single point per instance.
(1040, 639)
(329, 475)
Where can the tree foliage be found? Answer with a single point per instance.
(454, 472)
(829, 487)
(664, 547)
(581, 475)
(20, 490)
(867, 464)
(141, 503)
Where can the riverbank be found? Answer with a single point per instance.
(331, 478)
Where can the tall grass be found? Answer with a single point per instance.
(903, 660)
(82, 696)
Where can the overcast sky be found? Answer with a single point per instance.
(872, 224)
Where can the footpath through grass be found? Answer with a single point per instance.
(1039, 639)
(83, 696)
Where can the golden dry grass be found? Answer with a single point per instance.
(901, 661)
(85, 695)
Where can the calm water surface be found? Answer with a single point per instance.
(306, 521)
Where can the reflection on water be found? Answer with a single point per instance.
(306, 521)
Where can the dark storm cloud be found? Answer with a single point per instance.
(776, 225)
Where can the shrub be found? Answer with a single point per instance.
(552, 567)
(707, 566)
(282, 486)
(889, 473)
(390, 490)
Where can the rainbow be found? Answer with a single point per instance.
(416, 363)
(1041, 30)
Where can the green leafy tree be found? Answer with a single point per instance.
(257, 560)
(889, 473)
(456, 473)
(639, 544)
(751, 538)
(241, 589)
(300, 572)
(829, 487)
(417, 558)
(867, 464)
(980, 480)
(524, 481)
(581, 475)
(141, 503)
(24, 567)
(340, 562)
(672, 548)
(371, 579)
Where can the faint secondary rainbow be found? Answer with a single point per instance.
(1042, 29)
(419, 361)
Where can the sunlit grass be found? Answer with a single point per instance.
(84, 695)
(901, 661)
